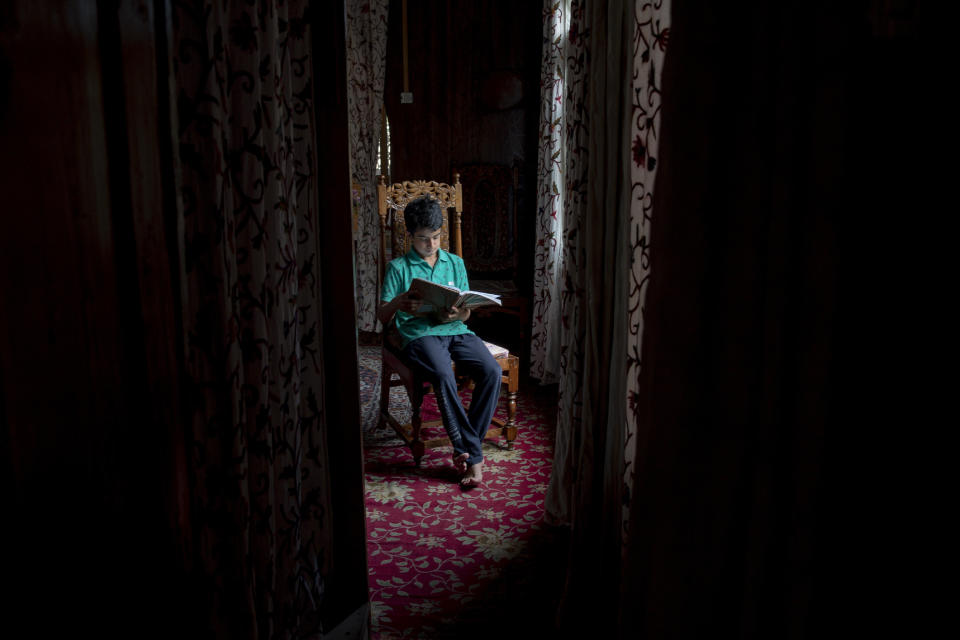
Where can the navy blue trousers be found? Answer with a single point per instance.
(430, 357)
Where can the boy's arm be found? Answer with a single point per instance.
(406, 301)
(391, 298)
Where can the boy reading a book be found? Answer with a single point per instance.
(430, 341)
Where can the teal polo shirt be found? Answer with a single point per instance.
(447, 270)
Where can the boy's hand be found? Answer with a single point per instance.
(453, 314)
(408, 302)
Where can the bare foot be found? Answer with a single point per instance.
(473, 477)
(460, 462)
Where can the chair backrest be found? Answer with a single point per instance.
(393, 199)
(490, 231)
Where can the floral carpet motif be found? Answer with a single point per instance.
(433, 549)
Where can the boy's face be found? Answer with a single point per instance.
(426, 241)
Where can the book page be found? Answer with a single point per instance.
(437, 297)
(473, 299)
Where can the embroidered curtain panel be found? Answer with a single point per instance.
(366, 64)
(561, 166)
(251, 308)
(651, 31)
(741, 381)
(597, 162)
(568, 277)
(556, 354)
(714, 437)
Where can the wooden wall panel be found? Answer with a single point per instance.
(458, 54)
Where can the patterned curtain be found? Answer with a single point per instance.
(599, 112)
(561, 204)
(251, 310)
(744, 359)
(366, 64)
(651, 32)
(557, 345)
(561, 167)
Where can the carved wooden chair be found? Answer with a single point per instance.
(393, 235)
(490, 237)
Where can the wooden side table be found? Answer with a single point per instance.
(511, 377)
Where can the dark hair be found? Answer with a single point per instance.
(423, 212)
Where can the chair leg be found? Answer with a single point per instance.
(417, 447)
(511, 425)
(385, 379)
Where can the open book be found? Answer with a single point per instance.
(437, 297)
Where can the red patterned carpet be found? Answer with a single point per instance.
(441, 558)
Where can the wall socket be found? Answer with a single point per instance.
(406, 97)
